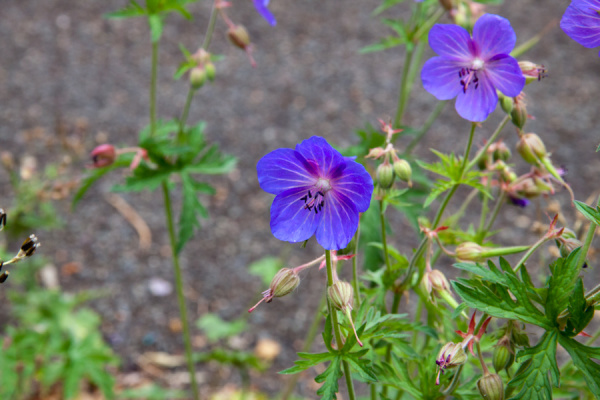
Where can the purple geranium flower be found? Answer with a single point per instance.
(472, 69)
(261, 7)
(317, 191)
(581, 22)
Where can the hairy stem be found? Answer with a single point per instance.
(153, 79)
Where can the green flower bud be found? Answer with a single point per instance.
(469, 251)
(385, 175)
(502, 357)
(507, 104)
(403, 170)
(567, 242)
(284, 282)
(501, 152)
(210, 71)
(239, 37)
(341, 295)
(197, 77)
(531, 148)
(518, 114)
(491, 387)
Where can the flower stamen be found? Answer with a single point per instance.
(466, 76)
(315, 203)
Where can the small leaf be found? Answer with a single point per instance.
(215, 328)
(582, 356)
(330, 378)
(92, 176)
(156, 23)
(588, 212)
(580, 313)
(133, 9)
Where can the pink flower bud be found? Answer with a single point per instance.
(103, 155)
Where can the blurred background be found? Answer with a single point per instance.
(71, 79)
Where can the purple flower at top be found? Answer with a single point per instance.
(472, 69)
(261, 7)
(581, 22)
(318, 191)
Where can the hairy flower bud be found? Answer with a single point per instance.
(507, 104)
(567, 242)
(238, 36)
(403, 170)
(500, 151)
(341, 295)
(284, 282)
(531, 148)
(469, 251)
(518, 114)
(197, 77)
(491, 387)
(103, 155)
(385, 175)
(210, 70)
(503, 355)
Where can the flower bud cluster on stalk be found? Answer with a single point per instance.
(392, 166)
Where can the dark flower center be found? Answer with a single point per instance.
(314, 201)
(467, 77)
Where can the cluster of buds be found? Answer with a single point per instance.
(27, 249)
(516, 108)
(203, 71)
(392, 166)
(106, 154)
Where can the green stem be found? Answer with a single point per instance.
(402, 95)
(426, 126)
(455, 380)
(355, 283)
(211, 27)
(336, 328)
(186, 111)
(526, 256)
(153, 79)
(179, 290)
(495, 212)
(480, 355)
(481, 153)
(308, 341)
(384, 236)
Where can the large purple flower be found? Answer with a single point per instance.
(261, 7)
(317, 191)
(472, 69)
(581, 22)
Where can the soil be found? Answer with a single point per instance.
(72, 78)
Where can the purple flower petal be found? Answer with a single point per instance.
(339, 223)
(439, 78)
(290, 220)
(451, 41)
(318, 151)
(261, 8)
(281, 170)
(505, 74)
(493, 35)
(581, 22)
(355, 184)
(477, 103)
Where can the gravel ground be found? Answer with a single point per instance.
(67, 72)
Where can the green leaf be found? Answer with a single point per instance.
(132, 10)
(539, 371)
(144, 178)
(561, 284)
(588, 212)
(580, 313)
(494, 292)
(406, 381)
(362, 366)
(93, 175)
(330, 378)
(310, 360)
(582, 356)
(215, 328)
(191, 210)
(385, 5)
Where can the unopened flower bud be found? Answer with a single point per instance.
(507, 104)
(518, 114)
(533, 187)
(197, 77)
(210, 70)
(341, 295)
(385, 175)
(532, 72)
(503, 355)
(501, 152)
(284, 282)
(103, 155)
(238, 35)
(403, 170)
(469, 251)
(567, 242)
(376, 152)
(531, 148)
(491, 387)
(28, 247)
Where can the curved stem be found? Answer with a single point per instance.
(403, 92)
(526, 256)
(186, 111)
(384, 236)
(491, 140)
(426, 126)
(455, 380)
(495, 211)
(153, 79)
(211, 27)
(179, 289)
(336, 328)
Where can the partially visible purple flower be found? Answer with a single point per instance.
(261, 7)
(472, 69)
(518, 201)
(581, 22)
(318, 191)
